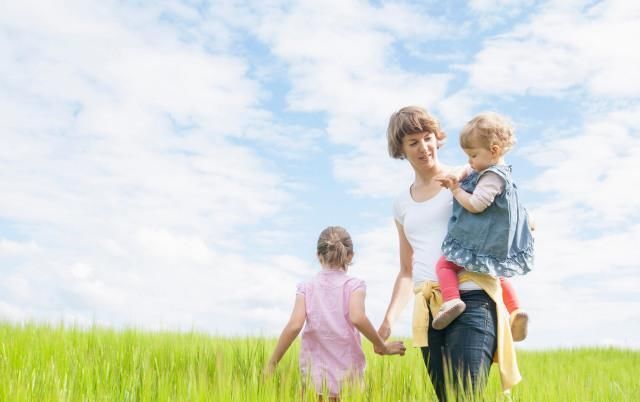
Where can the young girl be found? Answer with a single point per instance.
(489, 231)
(332, 306)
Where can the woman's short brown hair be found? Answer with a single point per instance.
(411, 120)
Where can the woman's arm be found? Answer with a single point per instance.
(360, 320)
(289, 333)
(403, 287)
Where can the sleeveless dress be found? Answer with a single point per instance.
(331, 351)
(497, 241)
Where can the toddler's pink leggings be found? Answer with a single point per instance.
(447, 273)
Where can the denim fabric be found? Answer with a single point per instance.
(497, 241)
(467, 345)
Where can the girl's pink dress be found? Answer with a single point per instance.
(331, 351)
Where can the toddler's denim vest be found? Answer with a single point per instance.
(497, 241)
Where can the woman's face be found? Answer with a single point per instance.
(421, 150)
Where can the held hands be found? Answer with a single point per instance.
(391, 348)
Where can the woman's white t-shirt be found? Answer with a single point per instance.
(425, 226)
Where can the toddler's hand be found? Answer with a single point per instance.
(447, 181)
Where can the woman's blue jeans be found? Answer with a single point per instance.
(465, 347)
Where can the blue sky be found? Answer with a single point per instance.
(169, 165)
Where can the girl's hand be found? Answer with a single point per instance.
(268, 370)
(391, 348)
(396, 348)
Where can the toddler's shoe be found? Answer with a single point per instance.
(519, 323)
(449, 311)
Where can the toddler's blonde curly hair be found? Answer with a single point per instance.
(487, 129)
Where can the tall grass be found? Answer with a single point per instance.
(54, 363)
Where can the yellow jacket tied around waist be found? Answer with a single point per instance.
(428, 296)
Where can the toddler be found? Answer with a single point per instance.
(489, 231)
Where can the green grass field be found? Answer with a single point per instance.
(48, 363)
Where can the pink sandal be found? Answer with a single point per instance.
(449, 311)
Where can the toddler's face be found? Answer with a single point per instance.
(480, 158)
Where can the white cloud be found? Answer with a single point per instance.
(593, 171)
(123, 162)
(177, 248)
(11, 248)
(103, 145)
(567, 46)
(495, 5)
(156, 289)
(586, 253)
(10, 312)
(371, 170)
(456, 109)
(346, 70)
(493, 12)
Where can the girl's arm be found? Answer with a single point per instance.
(403, 287)
(360, 320)
(289, 333)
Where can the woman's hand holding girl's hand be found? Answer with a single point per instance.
(384, 331)
(391, 348)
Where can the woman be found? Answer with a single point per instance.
(468, 345)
